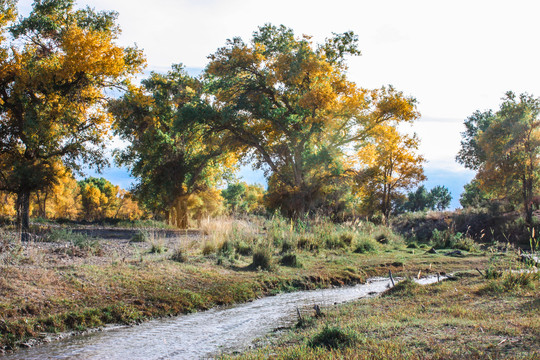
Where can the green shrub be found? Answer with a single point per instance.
(140, 236)
(512, 282)
(157, 248)
(290, 260)
(334, 338)
(333, 241)
(307, 242)
(262, 258)
(226, 248)
(208, 248)
(347, 238)
(365, 245)
(405, 288)
(243, 249)
(86, 244)
(447, 239)
(178, 256)
(286, 246)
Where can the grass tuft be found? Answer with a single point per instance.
(332, 337)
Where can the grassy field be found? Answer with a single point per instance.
(65, 281)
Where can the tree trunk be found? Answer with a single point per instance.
(181, 212)
(23, 214)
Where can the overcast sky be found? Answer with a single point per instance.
(454, 57)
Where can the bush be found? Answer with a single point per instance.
(447, 239)
(226, 248)
(262, 258)
(286, 246)
(86, 244)
(290, 260)
(243, 249)
(208, 248)
(405, 288)
(140, 236)
(178, 256)
(512, 282)
(366, 245)
(333, 241)
(347, 238)
(307, 243)
(334, 338)
(157, 248)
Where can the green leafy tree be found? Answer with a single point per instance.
(172, 151)
(473, 195)
(55, 67)
(506, 148)
(99, 198)
(438, 198)
(244, 198)
(288, 101)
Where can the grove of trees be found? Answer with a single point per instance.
(278, 101)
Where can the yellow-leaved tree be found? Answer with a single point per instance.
(54, 69)
(388, 164)
(290, 103)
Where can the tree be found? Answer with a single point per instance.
(473, 195)
(53, 73)
(244, 198)
(388, 163)
(289, 102)
(171, 150)
(59, 200)
(506, 150)
(441, 197)
(99, 198)
(438, 198)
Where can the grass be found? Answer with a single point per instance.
(123, 283)
(449, 320)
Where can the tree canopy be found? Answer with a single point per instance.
(54, 67)
(172, 150)
(504, 147)
(289, 103)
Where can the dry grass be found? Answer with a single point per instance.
(44, 289)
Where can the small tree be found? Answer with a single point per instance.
(388, 165)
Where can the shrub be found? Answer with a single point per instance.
(405, 288)
(86, 244)
(333, 241)
(178, 256)
(157, 248)
(286, 246)
(334, 338)
(262, 258)
(226, 248)
(511, 282)
(347, 238)
(307, 243)
(243, 249)
(447, 239)
(290, 260)
(365, 245)
(208, 248)
(140, 236)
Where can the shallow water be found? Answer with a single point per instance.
(201, 335)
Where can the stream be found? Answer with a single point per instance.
(203, 334)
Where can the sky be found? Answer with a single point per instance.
(454, 57)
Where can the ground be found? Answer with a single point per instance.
(66, 281)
